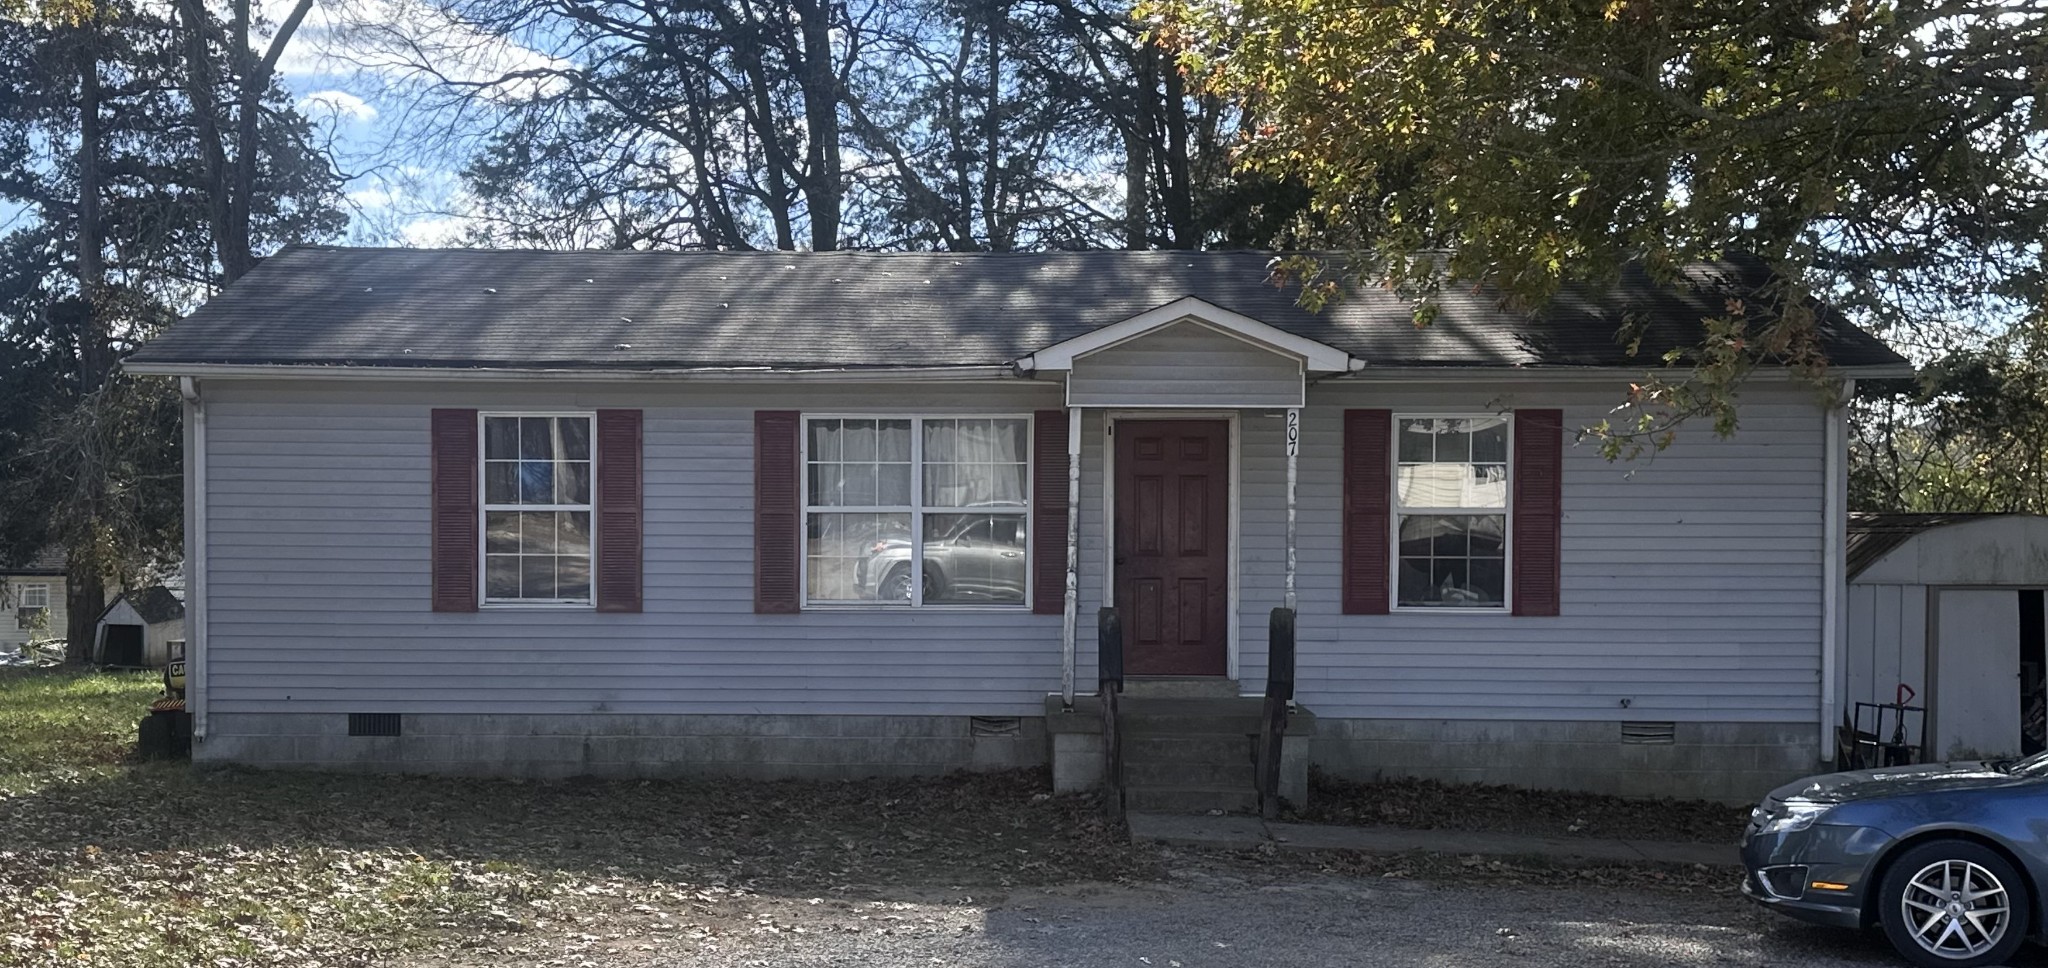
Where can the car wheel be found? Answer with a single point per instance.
(1953, 904)
(896, 585)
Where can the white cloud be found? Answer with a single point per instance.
(375, 197)
(340, 104)
(444, 230)
(404, 40)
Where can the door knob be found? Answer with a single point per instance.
(1119, 559)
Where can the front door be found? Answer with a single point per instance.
(1173, 545)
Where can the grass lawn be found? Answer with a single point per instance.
(107, 861)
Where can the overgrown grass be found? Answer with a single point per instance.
(108, 861)
(62, 726)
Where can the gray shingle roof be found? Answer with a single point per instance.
(658, 310)
(49, 561)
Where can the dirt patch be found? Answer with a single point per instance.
(1431, 805)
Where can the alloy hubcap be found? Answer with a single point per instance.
(1955, 909)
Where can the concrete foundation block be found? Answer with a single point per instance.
(1076, 762)
(1294, 759)
(630, 745)
(1735, 762)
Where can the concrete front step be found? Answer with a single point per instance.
(1240, 714)
(1180, 753)
(1191, 799)
(1180, 687)
(1198, 747)
(1185, 774)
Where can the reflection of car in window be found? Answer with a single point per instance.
(968, 558)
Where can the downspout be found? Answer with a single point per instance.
(1073, 557)
(1835, 512)
(195, 555)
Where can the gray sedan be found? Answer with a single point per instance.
(1949, 859)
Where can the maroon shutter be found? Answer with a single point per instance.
(1049, 512)
(778, 513)
(617, 494)
(454, 468)
(1368, 511)
(1539, 509)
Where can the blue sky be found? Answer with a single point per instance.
(352, 69)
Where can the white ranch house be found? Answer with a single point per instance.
(839, 514)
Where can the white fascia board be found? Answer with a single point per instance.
(762, 374)
(1438, 374)
(1316, 357)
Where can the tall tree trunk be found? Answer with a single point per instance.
(1138, 155)
(201, 90)
(85, 589)
(823, 183)
(85, 597)
(233, 182)
(234, 246)
(991, 133)
(1177, 193)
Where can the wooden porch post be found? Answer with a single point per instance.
(1293, 448)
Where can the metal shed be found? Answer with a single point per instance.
(1951, 607)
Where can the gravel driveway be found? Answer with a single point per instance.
(1210, 918)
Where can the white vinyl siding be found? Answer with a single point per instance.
(1186, 365)
(54, 618)
(1690, 585)
(319, 563)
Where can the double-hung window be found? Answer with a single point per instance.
(914, 511)
(537, 473)
(32, 605)
(1451, 511)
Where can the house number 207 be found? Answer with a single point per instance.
(1293, 431)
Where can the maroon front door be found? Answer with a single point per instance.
(1172, 545)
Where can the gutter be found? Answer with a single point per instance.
(195, 556)
(716, 374)
(1834, 528)
(1428, 374)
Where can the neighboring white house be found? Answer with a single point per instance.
(137, 628)
(1951, 607)
(834, 514)
(32, 602)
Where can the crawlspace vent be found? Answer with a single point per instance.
(1649, 734)
(373, 724)
(995, 726)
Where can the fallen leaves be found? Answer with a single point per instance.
(113, 863)
(1432, 805)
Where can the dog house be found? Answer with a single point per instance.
(136, 630)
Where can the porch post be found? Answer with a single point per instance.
(1293, 448)
(1073, 555)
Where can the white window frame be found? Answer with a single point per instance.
(21, 595)
(484, 509)
(1396, 510)
(916, 509)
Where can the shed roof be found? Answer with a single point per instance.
(628, 310)
(1873, 534)
(154, 604)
